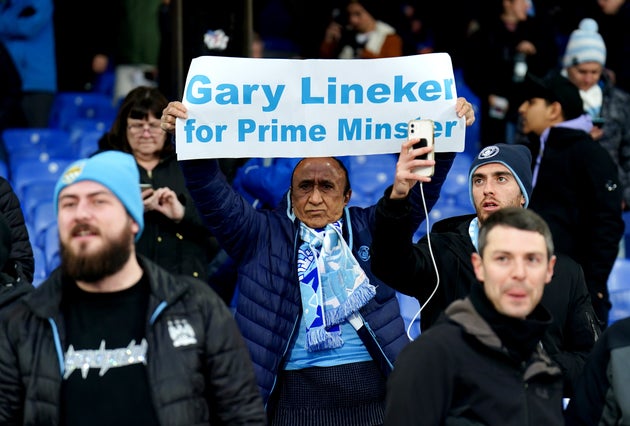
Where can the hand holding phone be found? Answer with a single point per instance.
(422, 130)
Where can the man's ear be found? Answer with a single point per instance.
(556, 113)
(477, 263)
(552, 264)
(347, 197)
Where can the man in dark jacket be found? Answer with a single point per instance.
(112, 338)
(482, 363)
(316, 364)
(499, 177)
(576, 186)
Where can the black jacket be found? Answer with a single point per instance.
(11, 288)
(600, 396)
(409, 269)
(21, 264)
(579, 194)
(211, 380)
(181, 248)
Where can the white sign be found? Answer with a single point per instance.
(250, 107)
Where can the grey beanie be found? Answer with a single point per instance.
(517, 158)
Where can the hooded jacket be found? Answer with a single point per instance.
(457, 372)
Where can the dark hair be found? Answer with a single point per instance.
(138, 104)
(339, 162)
(519, 218)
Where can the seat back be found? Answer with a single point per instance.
(51, 248)
(40, 273)
(43, 218)
(29, 171)
(71, 106)
(37, 143)
(370, 175)
(87, 125)
(35, 193)
(87, 143)
(619, 290)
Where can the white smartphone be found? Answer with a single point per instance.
(422, 130)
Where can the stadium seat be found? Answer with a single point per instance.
(29, 171)
(462, 162)
(51, 249)
(444, 209)
(35, 193)
(619, 290)
(87, 125)
(87, 143)
(4, 170)
(409, 310)
(43, 218)
(40, 273)
(626, 234)
(35, 142)
(455, 187)
(370, 175)
(71, 106)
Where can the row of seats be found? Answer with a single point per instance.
(35, 158)
(68, 107)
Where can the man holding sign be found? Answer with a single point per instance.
(323, 332)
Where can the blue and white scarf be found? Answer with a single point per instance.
(332, 284)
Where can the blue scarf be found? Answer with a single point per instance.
(332, 285)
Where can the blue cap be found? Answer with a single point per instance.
(115, 170)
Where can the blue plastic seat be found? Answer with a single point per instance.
(409, 310)
(445, 209)
(29, 171)
(35, 142)
(619, 290)
(370, 175)
(626, 234)
(35, 193)
(4, 170)
(40, 273)
(87, 143)
(51, 249)
(43, 218)
(87, 125)
(71, 106)
(455, 187)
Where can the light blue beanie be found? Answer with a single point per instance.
(585, 45)
(115, 170)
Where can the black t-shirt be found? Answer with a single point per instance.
(105, 358)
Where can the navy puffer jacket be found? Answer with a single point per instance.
(264, 245)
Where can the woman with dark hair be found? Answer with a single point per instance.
(180, 246)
